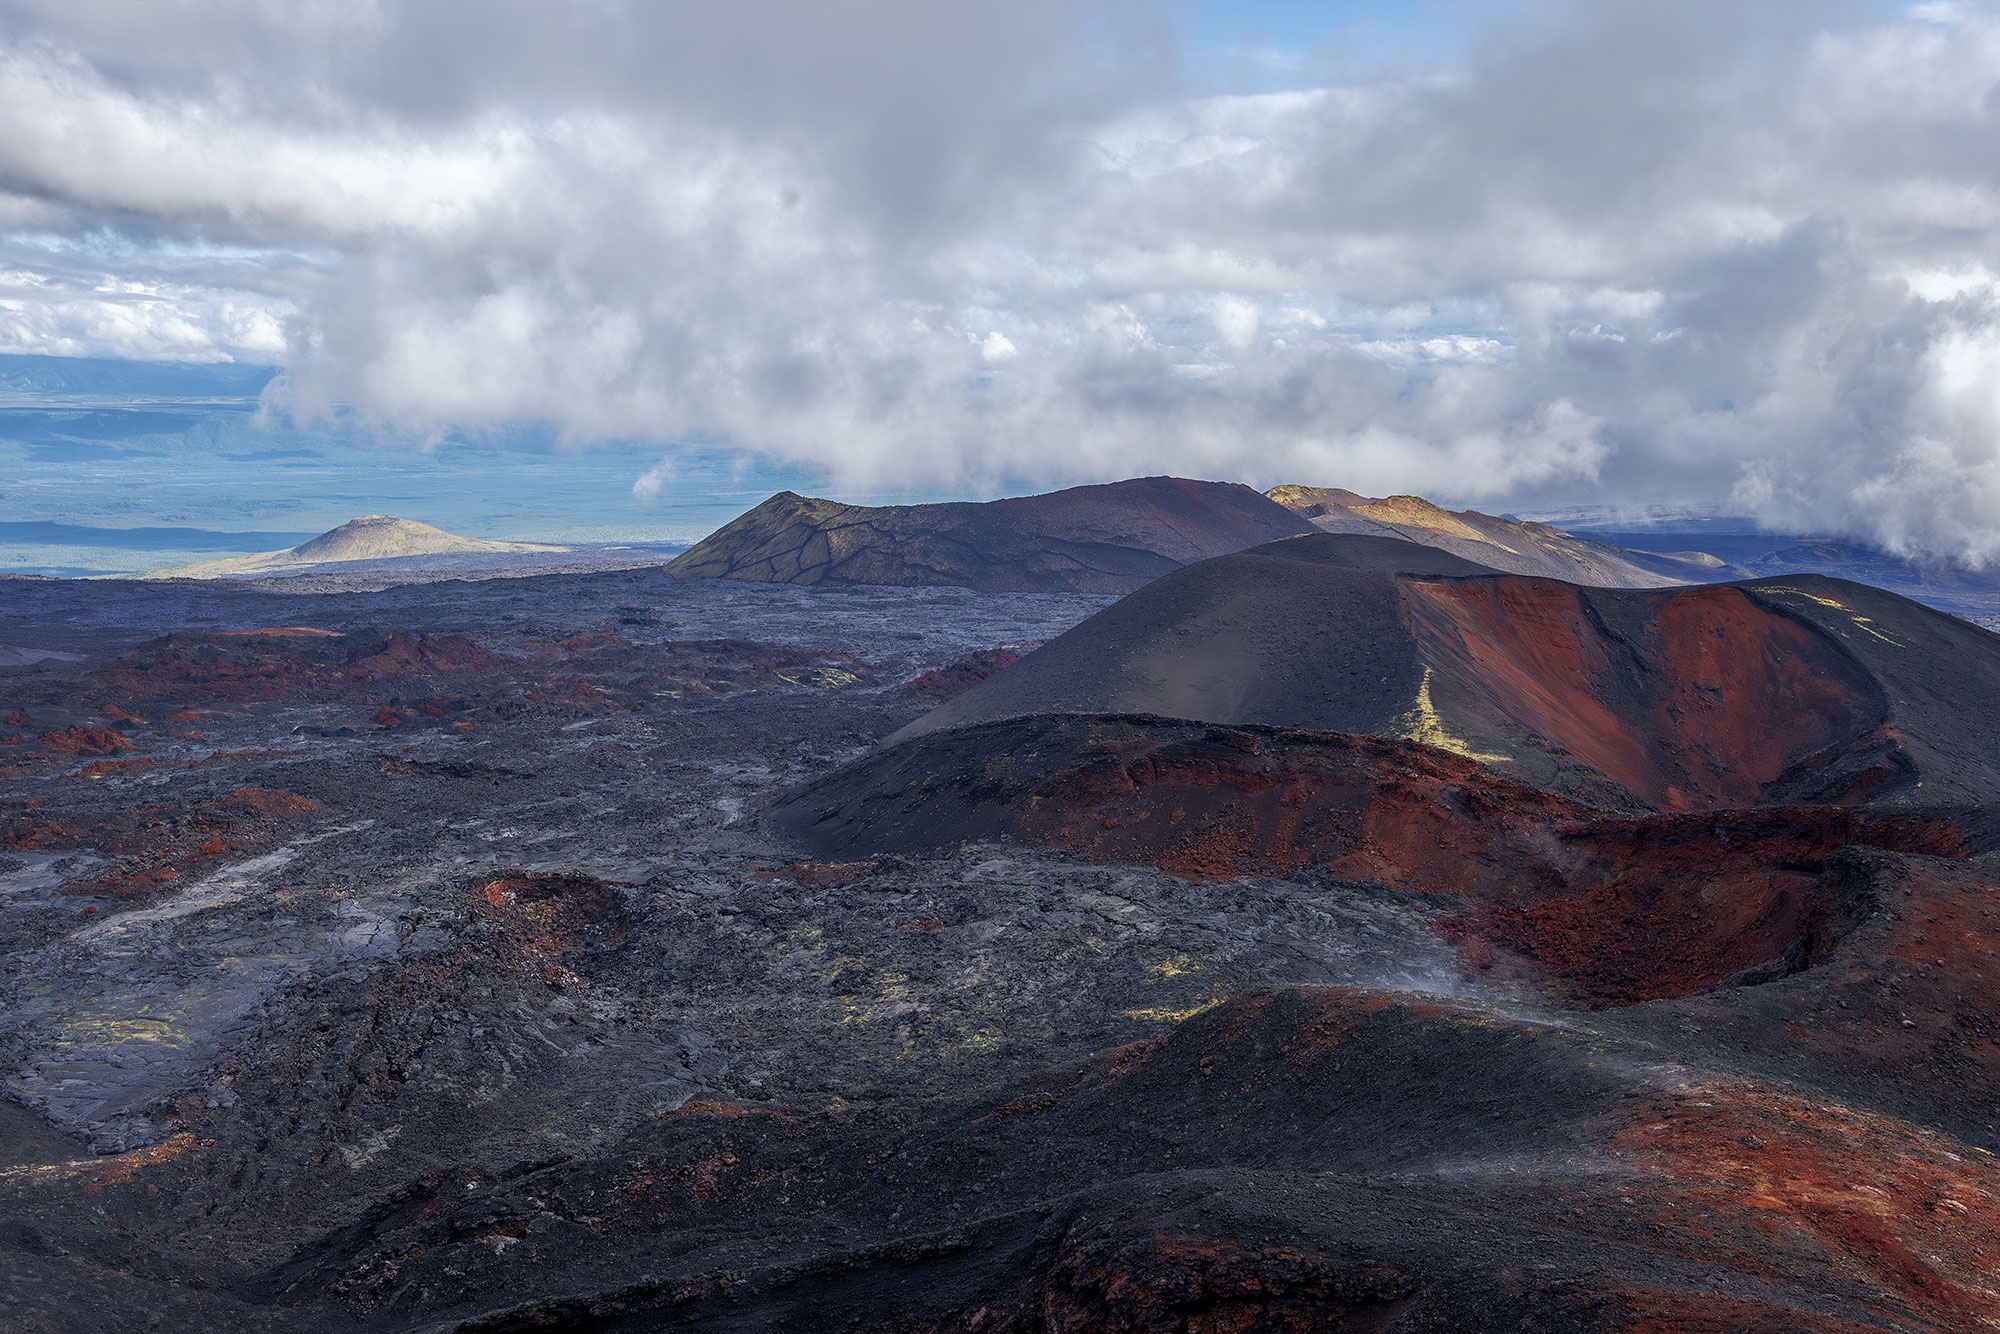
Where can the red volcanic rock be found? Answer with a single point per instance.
(1621, 909)
(554, 913)
(1330, 1158)
(415, 654)
(85, 741)
(25, 836)
(1916, 1218)
(1668, 905)
(187, 676)
(18, 718)
(269, 801)
(136, 884)
(105, 768)
(162, 841)
(820, 875)
(1179, 1280)
(1724, 699)
(206, 670)
(955, 678)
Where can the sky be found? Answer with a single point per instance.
(1511, 253)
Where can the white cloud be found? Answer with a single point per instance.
(1237, 320)
(1644, 253)
(650, 483)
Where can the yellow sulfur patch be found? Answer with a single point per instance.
(1163, 1015)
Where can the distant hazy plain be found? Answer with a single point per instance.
(115, 467)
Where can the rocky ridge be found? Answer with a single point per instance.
(1090, 539)
(1537, 549)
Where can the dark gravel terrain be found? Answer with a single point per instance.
(431, 959)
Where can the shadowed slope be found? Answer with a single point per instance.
(1772, 691)
(1301, 633)
(1090, 539)
(1302, 1158)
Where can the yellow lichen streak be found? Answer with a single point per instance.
(1422, 724)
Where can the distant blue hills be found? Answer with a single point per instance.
(100, 379)
(39, 532)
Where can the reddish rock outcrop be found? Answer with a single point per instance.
(85, 741)
(955, 678)
(554, 913)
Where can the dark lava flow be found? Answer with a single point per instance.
(426, 960)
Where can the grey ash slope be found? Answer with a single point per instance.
(1284, 634)
(1089, 539)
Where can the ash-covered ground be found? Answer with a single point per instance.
(425, 961)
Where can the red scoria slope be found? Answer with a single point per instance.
(1616, 909)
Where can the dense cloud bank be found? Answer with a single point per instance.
(1631, 252)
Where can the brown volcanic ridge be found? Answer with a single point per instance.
(1501, 544)
(1089, 539)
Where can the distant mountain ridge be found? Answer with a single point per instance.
(1117, 537)
(372, 537)
(1512, 547)
(1112, 538)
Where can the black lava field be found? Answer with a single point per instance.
(1330, 936)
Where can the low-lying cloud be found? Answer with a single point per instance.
(1620, 252)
